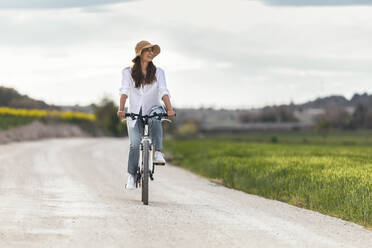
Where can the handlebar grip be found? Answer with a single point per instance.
(166, 115)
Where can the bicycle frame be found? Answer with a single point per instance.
(146, 137)
(146, 168)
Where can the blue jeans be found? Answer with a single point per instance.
(135, 133)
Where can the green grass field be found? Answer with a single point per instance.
(332, 176)
(10, 121)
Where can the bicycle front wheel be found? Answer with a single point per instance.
(145, 176)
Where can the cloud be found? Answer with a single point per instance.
(254, 55)
(51, 29)
(317, 2)
(278, 53)
(53, 4)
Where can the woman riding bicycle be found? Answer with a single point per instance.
(145, 85)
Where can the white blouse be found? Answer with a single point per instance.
(145, 97)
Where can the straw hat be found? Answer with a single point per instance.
(145, 44)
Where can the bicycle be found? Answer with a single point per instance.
(144, 172)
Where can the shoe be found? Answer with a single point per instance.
(131, 184)
(159, 159)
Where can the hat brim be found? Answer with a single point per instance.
(156, 51)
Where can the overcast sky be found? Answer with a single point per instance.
(232, 53)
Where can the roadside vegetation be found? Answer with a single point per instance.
(12, 117)
(332, 175)
(103, 120)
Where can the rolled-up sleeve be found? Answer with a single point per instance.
(163, 90)
(125, 83)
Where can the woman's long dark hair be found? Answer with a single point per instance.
(138, 76)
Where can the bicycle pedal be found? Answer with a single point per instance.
(159, 164)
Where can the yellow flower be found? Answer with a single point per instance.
(39, 113)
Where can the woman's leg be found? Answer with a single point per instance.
(134, 147)
(156, 132)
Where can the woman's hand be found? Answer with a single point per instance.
(121, 114)
(171, 113)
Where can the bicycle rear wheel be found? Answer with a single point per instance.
(145, 177)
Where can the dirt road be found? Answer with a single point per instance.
(69, 193)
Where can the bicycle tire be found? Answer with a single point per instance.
(145, 177)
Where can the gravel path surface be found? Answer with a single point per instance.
(69, 192)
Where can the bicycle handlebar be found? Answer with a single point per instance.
(158, 115)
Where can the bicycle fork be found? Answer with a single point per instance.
(140, 162)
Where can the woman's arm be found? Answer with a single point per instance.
(123, 99)
(168, 106)
(123, 92)
(121, 112)
(164, 93)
